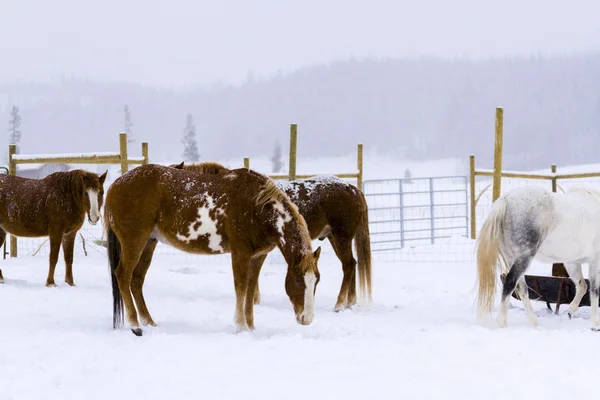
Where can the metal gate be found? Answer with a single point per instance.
(416, 211)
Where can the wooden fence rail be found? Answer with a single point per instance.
(497, 174)
(292, 175)
(120, 157)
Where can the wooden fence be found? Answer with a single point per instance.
(497, 173)
(291, 176)
(120, 157)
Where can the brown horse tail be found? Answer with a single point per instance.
(362, 244)
(488, 254)
(114, 257)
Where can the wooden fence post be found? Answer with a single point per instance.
(145, 152)
(247, 162)
(359, 161)
(498, 154)
(123, 152)
(12, 170)
(473, 199)
(553, 169)
(293, 149)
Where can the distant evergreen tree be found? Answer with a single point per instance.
(407, 176)
(190, 147)
(276, 159)
(14, 133)
(128, 124)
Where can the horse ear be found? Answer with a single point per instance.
(102, 177)
(317, 253)
(180, 166)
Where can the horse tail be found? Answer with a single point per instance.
(362, 244)
(114, 257)
(488, 253)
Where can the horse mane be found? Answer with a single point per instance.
(205, 167)
(270, 192)
(67, 182)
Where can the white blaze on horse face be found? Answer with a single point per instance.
(283, 217)
(94, 215)
(207, 226)
(308, 313)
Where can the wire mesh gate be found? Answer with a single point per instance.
(416, 211)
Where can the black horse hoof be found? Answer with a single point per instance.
(137, 331)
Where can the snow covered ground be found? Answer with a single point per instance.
(419, 339)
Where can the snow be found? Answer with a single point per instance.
(419, 339)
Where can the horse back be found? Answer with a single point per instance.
(23, 210)
(328, 201)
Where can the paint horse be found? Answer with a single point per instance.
(240, 212)
(335, 210)
(54, 206)
(529, 223)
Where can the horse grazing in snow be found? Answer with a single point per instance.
(240, 212)
(335, 210)
(54, 206)
(531, 222)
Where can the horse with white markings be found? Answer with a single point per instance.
(54, 206)
(530, 223)
(239, 211)
(332, 209)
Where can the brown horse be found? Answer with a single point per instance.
(240, 212)
(335, 210)
(54, 206)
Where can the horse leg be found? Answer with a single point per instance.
(258, 263)
(68, 243)
(523, 292)
(252, 289)
(517, 270)
(594, 291)
(55, 240)
(576, 275)
(130, 256)
(343, 250)
(241, 267)
(137, 282)
(2, 239)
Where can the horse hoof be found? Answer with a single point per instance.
(137, 331)
(51, 284)
(569, 314)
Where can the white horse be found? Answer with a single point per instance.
(531, 222)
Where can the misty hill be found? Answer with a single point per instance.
(423, 108)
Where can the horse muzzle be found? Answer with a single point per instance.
(305, 318)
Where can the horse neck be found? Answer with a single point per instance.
(77, 189)
(294, 239)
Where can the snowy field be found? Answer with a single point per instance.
(420, 338)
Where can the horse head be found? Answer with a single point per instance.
(93, 189)
(301, 285)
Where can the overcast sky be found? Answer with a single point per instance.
(181, 42)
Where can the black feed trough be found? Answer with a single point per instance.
(553, 289)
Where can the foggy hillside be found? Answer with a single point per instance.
(417, 108)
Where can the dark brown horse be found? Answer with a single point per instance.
(54, 206)
(335, 210)
(240, 212)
